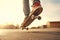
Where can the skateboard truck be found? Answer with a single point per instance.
(34, 17)
(24, 28)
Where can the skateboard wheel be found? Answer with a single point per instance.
(39, 18)
(26, 28)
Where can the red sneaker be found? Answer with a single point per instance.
(36, 8)
(36, 5)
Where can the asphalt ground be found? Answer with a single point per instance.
(31, 34)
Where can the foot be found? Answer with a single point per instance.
(36, 4)
(37, 7)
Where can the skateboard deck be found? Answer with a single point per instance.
(29, 20)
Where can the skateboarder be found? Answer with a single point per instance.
(26, 7)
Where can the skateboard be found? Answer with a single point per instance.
(32, 16)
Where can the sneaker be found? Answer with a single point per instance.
(36, 5)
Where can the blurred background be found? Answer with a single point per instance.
(11, 13)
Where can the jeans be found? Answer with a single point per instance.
(26, 7)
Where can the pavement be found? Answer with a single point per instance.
(31, 34)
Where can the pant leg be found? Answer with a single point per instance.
(26, 7)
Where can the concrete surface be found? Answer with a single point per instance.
(31, 34)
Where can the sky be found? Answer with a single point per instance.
(52, 10)
(11, 12)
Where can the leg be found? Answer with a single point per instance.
(26, 10)
(26, 7)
